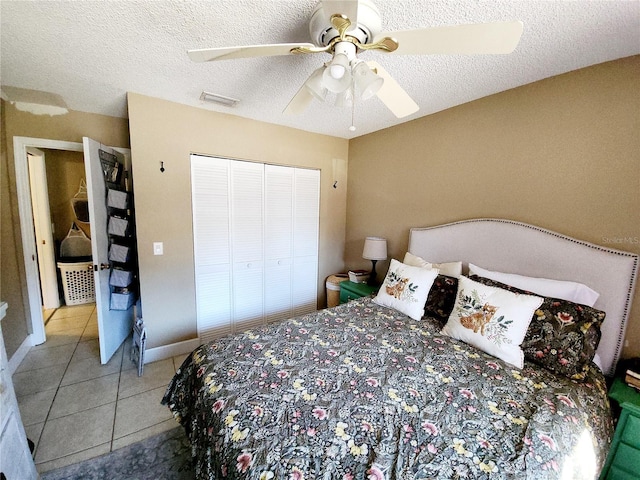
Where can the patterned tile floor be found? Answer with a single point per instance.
(74, 408)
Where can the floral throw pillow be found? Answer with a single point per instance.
(442, 298)
(405, 288)
(491, 319)
(563, 336)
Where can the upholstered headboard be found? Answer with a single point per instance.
(514, 247)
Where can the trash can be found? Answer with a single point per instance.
(333, 288)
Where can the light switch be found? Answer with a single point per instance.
(158, 248)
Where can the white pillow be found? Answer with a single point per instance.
(598, 361)
(405, 288)
(565, 290)
(492, 319)
(452, 269)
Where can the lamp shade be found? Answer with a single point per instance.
(337, 75)
(315, 86)
(345, 99)
(366, 82)
(375, 248)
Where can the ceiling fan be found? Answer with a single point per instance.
(344, 28)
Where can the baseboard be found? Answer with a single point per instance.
(167, 351)
(20, 353)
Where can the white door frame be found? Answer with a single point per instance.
(20, 145)
(43, 230)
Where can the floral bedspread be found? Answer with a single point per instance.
(361, 391)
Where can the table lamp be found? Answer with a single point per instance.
(375, 248)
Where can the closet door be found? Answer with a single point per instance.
(278, 249)
(306, 216)
(255, 231)
(212, 248)
(247, 248)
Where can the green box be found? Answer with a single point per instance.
(350, 290)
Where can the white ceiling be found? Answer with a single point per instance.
(92, 52)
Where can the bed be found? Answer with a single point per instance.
(366, 391)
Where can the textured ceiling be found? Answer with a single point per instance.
(92, 52)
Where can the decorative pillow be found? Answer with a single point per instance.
(491, 319)
(405, 288)
(598, 361)
(563, 336)
(452, 269)
(441, 298)
(566, 290)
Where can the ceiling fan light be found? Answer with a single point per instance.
(337, 71)
(345, 99)
(366, 81)
(315, 85)
(336, 85)
(339, 65)
(337, 75)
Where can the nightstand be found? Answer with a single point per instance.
(623, 461)
(350, 290)
(620, 393)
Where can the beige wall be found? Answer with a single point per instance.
(70, 127)
(167, 132)
(562, 153)
(14, 325)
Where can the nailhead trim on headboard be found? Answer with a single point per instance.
(631, 285)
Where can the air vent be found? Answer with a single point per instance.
(219, 99)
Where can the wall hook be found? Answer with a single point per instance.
(162, 167)
(335, 184)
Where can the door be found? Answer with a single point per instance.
(113, 325)
(278, 241)
(42, 229)
(305, 240)
(255, 230)
(211, 245)
(246, 184)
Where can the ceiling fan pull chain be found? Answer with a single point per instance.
(352, 128)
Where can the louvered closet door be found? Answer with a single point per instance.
(247, 243)
(255, 243)
(211, 236)
(278, 239)
(306, 215)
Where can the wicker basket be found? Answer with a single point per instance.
(333, 288)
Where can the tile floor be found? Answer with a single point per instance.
(74, 408)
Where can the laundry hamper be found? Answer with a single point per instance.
(77, 282)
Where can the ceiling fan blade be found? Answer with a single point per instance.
(348, 8)
(393, 95)
(299, 102)
(247, 51)
(481, 38)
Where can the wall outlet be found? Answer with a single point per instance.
(158, 248)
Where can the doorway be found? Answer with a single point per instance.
(57, 181)
(21, 147)
(115, 319)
